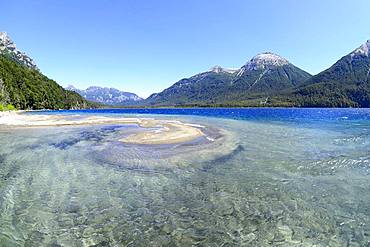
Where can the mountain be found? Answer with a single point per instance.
(262, 76)
(266, 80)
(23, 85)
(344, 84)
(203, 87)
(7, 46)
(107, 96)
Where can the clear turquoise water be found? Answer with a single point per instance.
(282, 177)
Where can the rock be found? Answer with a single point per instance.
(183, 210)
(249, 237)
(8, 46)
(285, 230)
(167, 228)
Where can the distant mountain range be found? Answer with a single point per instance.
(22, 84)
(270, 80)
(266, 80)
(263, 75)
(107, 96)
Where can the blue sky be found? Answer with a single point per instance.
(145, 46)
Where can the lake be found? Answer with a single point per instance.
(279, 177)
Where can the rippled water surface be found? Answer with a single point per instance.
(282, 177)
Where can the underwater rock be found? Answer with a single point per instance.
(248, 238)
(285, 232)
(167, 228)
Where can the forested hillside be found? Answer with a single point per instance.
(27, 88)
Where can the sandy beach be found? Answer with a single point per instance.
(154, 131)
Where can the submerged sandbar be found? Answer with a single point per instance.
(168, 133)
(153, 131)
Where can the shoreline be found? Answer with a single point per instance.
(159, 131)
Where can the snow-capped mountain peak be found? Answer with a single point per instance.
(71, 88)
(9, 47)
(219, 69)
(362, 50)
(265, 60)
(106, 95)
(6, 41)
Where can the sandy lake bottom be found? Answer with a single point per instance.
(264, 183)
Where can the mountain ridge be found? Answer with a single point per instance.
(107, 95)
(8, 47)
(264, 73)
(344, 84)
(267, 79)
(270, 80)
(24, 86)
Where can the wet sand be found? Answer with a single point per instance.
(168, 133)
(154, 131)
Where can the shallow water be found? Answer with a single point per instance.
(283, 177)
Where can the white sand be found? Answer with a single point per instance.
(168, 133)
(162, 131)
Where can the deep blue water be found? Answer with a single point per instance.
(269, 114)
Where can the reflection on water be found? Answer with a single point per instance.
(280, 184)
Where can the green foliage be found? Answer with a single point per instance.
(345, 84)
(212, 89)
(29, 89)
(10, 107)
